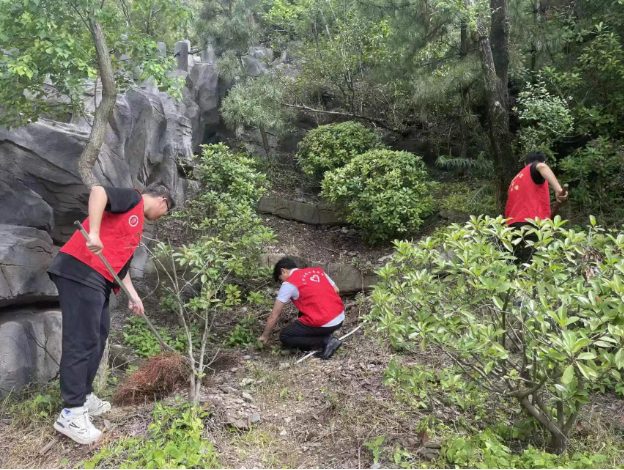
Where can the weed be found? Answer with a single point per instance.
(243, 333)
(174, 440)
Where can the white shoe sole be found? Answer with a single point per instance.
(101, 411)
(74, 437)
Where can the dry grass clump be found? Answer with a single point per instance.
(158, 377)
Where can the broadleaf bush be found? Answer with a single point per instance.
(334, 145)
(543, 334)
(383, 192)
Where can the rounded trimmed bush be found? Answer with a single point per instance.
(333, 146)
(383, 192)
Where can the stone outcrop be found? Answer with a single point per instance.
(348, 278)
(308, 213)
(22, 206)
(30, 347)
(25, 255)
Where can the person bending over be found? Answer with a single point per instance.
(529, 198)
(115, 226)
(321, 309)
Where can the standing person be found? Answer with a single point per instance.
(529, 198)
(115, 227)
(321, 309)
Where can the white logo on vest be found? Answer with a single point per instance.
(315, 278)
(133, 221)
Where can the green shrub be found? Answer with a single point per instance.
(596, 174)
(243, 334)
(174, 440)
(459, 197)
(543, 334)
(222, 170)
(383, 192)
(333, 146)
(34, 405)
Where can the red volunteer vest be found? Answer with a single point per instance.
(318, 302)
(120, 235)
(527, 200)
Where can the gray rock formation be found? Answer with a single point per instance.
(182, 51)
(30, 347)
(348, 278)
(313, 214)
(22, 206)
(25, 255)
(147, 137)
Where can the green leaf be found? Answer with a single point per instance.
(589, 373)
(619, 359)
(568, 374)
(587, 356)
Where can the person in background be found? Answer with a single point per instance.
(321, 309)
(115, 227)
(529, 199)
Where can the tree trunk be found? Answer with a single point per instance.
(505, 165)
(265, 141)
(499, 37)
(463, 124)
(103, 112)
(91, 152)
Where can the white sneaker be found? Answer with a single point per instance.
(95, 406)
(76, 424)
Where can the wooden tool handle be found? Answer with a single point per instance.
(125, 289)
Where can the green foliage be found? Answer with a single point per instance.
(459, 197)
(35, 405)
(375, 447)
(551, 329)
(223, 171)
(488, 450)
(256, 102)
(139, 337)
(174, 440)
(445, 386)
(385, 193)
(46, 53)
(332, 146)
(243, 334)
(545, 118)
(229, 25)
(596, 174)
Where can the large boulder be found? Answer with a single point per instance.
(25, 255)
(348, 278)
(308, 213)
(147, 136)
(30, 347)
(22, 206)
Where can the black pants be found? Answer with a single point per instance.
(306, 338)
(86, 323)
(522, 251)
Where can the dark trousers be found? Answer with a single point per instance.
(522, 251)
(306, 338)
(86, 323)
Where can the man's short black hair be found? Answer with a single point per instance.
(160, 190)
(284, 263)
(535, 156)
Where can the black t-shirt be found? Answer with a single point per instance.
(536, 176)
(120, 200)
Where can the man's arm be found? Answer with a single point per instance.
(336, 290)
(134, 303)
(549, 176)
(97, 204)
(278, 306)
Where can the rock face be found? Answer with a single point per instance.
(23, 206)
(25, 255)
(349, 279)
(313, 214)
(30, 347)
